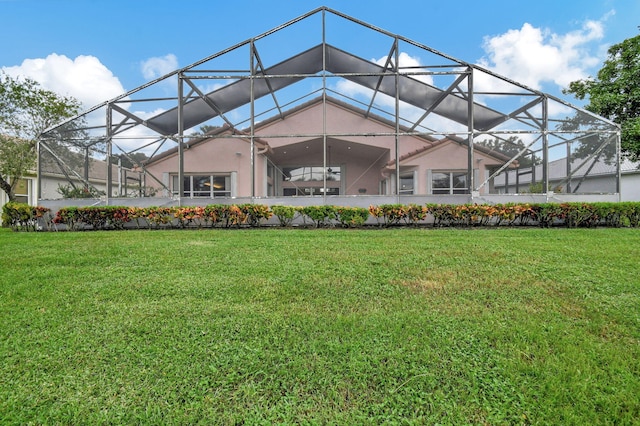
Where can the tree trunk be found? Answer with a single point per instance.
(7, 188)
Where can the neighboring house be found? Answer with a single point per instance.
(292, 166)
(125, 182)
(24, 191)
(630, 181)
(588, 176)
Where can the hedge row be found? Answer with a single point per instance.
(24, 217)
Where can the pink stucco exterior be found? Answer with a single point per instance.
(366, 164)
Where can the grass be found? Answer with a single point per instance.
(408, 326)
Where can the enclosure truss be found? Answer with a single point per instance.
(415, 95)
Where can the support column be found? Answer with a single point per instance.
(38, 172)
(397, 117)
(470, 131)
(324, 112)
(109, 152)
(618, 164)
(252, 68)
(545, 147)
(180, 139)
(568, 168)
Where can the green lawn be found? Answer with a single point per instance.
(414, 326)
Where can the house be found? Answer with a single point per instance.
(588, 175)
(293, 166)
(56, 179)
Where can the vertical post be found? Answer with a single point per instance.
(545, 147)
(180, 139)
(618, 165)
(252, 160)
(568, 168)
(120, 172)
(85, 173)
(397, 117)
(38, 172)
(109, 152)
(470, 129)
(324, 111)
(506, 181)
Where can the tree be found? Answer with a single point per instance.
(204, 130)
(137, 157)
(510, 147)
(26, 111)
(615, 93)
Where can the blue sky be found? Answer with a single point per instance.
(94, 50)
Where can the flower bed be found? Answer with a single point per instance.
(22, 217)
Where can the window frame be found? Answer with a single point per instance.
(190, 190)
(451, 189)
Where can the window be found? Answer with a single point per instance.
(309, 180)
(449, 183)
(23, 190)
(310, 174)
(406, 184)
(309, 190)
(204, 186)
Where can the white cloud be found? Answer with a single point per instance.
(405, 60)
(155, 67)
(411, 64)
(85, 77)
(535, 56)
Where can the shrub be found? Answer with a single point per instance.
(159, 217)
(255, 213)
(442, 214)
(351, 217)
(415, 213)
(320, 215)
(189, 216)
(546, 214)
(68, 191)
(579, 215)
(388, 214)
(23, 217)
(285, 214)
